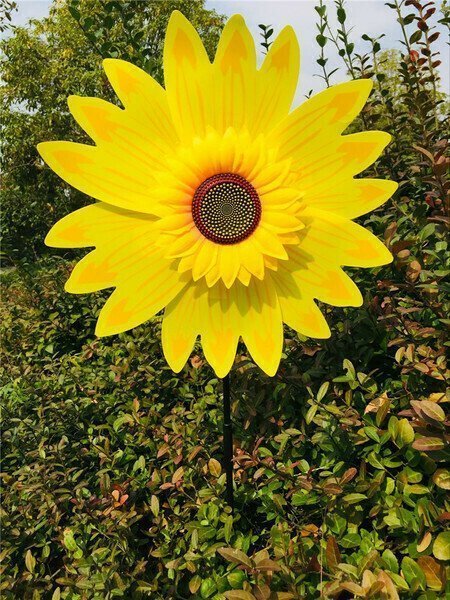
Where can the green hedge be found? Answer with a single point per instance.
(111, 463)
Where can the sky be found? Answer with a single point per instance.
(365, 16)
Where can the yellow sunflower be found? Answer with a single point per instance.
(218, 204)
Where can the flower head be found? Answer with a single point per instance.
(216, 203)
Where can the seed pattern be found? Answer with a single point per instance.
(226, 208)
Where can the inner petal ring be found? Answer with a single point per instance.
(226, 208)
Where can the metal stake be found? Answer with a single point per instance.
(227, 441)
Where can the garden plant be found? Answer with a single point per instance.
(112, 477)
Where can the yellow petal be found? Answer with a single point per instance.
(335, 240)
(270, 177)
(183, 244)
(220, 315)
(100, 224)
(125, 258)
(261, 323)
(326, 114)
(299, 310)
(186, 263)
(187, 74)
(251, 258)
(92, 273)
(121, 136)
(176, 223)
(351, 198)
(321, 279)
(181, 325)
(244, 276)
(141, 295)
(267, 242)
(213, 275)
(277, 80)
(340, 159)
(220, 328)
(90, 170)
(281, 221)
(144, 99)
(205, 258)
(234, 73)
(280, 198)
(229, 264)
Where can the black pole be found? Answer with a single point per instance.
(227, 441)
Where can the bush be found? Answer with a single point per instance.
(112, 478)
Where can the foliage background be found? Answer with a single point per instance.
(112, 484)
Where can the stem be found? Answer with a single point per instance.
(227, 441)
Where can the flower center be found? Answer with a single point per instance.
(226, 208)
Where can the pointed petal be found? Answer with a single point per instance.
(206, 257)
(144, 99)
(334, 240)
(99, 224)
(229, 264)
(90, 170)
(251, 258)
(339, 160)
(326, 114)
(220, 328)
(181, 325)
(91, 274)
(141, 295)
(299, 310)
(234, 72)
(281, 221)
(121, 135)
(351, 198)
(277, 80)
(321, 279)
(186, 73)
(267, 242)
(261, 323)
(280, 198)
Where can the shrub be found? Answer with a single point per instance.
(112, 479)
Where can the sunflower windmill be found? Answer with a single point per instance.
(218, 204)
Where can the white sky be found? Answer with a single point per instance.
(365, 16)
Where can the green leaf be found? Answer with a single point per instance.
(412, 572)
(236, 579)
(441, 478)
(441, 546)
(405, 433)
(239, 595)
(341, 15)
(321, 40)
(214, 467)
(69, 540)
(154, 505)
(372, 459)
(228, 528)
(322, 390)
(194, 584)
(121, 421)
(354, 498)
(432, 410)
(350, 540)
(30, 561)
(415, 37)
(390, 560)
(207, 588)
